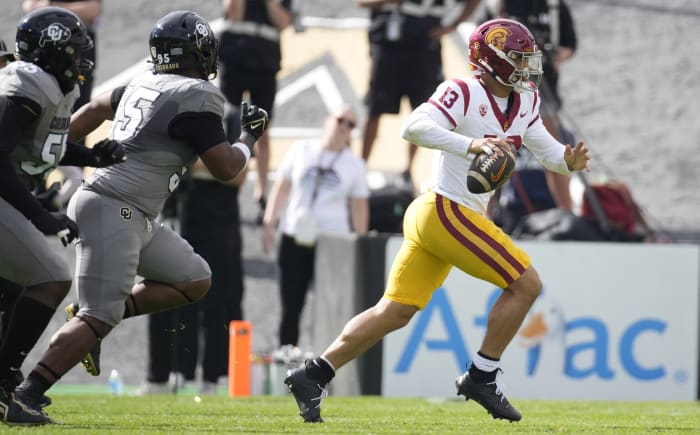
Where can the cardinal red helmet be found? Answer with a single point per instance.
(507, 50)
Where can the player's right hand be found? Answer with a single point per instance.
(254, 120)
(57, 224)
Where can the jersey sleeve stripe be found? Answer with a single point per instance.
(534, 101)
(465, 92)
(533, 121)
(444, 112)
(465, 237)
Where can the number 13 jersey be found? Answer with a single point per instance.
(468, 108)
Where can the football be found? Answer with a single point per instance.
(489, 171)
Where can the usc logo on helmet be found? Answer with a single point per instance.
(497, 37)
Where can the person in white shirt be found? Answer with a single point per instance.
(321, 187)
(447, 226)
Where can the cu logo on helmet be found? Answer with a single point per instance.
(55, 34)
(201, 31)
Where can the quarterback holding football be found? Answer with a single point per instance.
(486, 114)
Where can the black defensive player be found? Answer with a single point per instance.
(37, 93)
(165, 119)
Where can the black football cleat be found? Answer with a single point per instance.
(15, 412)
(91, 361)
(308, 393)
(9, 384)
(488, 395)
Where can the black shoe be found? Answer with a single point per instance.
(308, 394)
(91, 361)
(9, 384)
(488, 395)
(14, 411)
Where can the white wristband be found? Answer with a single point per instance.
(244, 149)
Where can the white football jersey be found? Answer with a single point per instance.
(466, 107)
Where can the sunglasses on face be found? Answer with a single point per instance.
(349, 122)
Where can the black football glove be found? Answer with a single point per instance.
(56, 224)
(47, 198)
(254, 120)
(106, 152)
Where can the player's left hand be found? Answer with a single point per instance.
(577, 158)
(107, 152)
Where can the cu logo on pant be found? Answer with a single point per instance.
(126, 213)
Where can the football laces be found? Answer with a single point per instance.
(486, 165)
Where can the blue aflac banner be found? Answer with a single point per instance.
(613, 322)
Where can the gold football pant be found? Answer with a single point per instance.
(438, 234)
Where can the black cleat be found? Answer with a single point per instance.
(488, 395)
(14, 411)
(9, 385)
(91, 361)
(308, 394)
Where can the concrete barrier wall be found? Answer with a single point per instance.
(349, 278)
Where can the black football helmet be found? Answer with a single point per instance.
(55, 39)
(183, 40)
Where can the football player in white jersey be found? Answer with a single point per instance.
(447, 226)
(165, 119)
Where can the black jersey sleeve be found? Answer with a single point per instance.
(16, 116)
(202, 130)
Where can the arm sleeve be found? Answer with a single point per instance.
(545, 148)
(16, 115)
(432, 123)
(202, 130)
(76, 155)
(429, 128)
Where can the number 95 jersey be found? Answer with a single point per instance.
(156, 161)
(43, 147)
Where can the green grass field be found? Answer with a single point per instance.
(104, 414)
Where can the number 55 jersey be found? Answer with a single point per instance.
(157, 157)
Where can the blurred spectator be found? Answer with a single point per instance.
(532, 188)
(321, 186)
(207, 214)
(405, 50)
(89, 12)
(250, 59)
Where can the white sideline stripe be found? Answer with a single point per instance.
(319, 78)
(299, 132)
(335, 23)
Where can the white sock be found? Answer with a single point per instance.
(485, 364)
